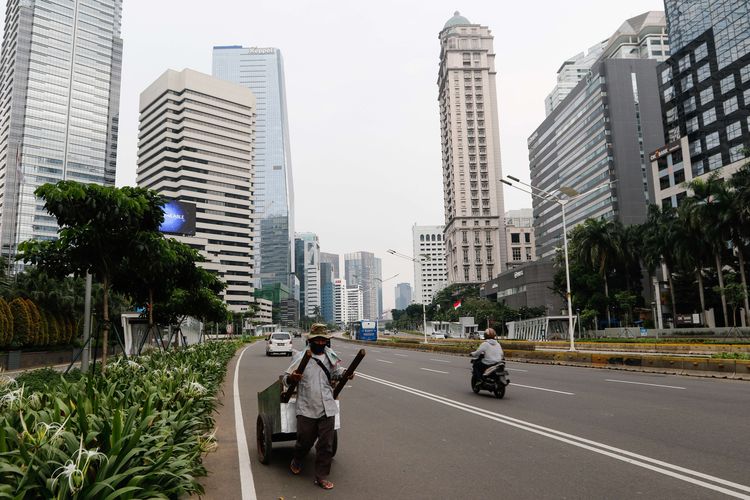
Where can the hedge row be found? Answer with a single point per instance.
(22, 323)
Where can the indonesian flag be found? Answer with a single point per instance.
(457, 304)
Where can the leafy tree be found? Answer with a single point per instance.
(98, 225)
(36, 335)
(735, 295)
(626, 300)
(6, 323)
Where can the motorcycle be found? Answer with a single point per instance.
(494, 378)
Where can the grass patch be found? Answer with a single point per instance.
(731, 355)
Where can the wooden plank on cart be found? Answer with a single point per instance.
(269, 404)
(349, 372)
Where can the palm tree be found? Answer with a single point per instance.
(706, 210)
(659, 234)
(740, 223)
(693, 251)
(598, 242)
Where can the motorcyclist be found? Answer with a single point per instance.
(489, 353)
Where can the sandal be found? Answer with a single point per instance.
(326, 485)
(295, 467)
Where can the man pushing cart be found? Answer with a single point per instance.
(318, 377)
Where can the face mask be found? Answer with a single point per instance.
(317, 348)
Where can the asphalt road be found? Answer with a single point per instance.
(412, 428)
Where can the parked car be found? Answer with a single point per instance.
(279, 343)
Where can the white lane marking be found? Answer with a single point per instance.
(543, 389)
(653, 464)
(246, 474)
(516, 370)
(436, 371)
(439, 360)
(402, 355)
(644, 383)
(384, 361)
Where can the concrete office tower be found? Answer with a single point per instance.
(362, 269)
(333, 259)
(473, 196)
(519, 233)
(326, 291)
(354, 300)
(307, 255)
(601, 132)
(431, 275)
(196, 145)
(403, 295)
(705, 95)
(640, 37)
(60, 65)
(262, 71)
(340, 303)
(571, 72)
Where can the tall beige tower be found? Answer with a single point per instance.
(474, 234)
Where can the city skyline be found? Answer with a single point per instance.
(408, 154)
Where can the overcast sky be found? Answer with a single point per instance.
(362, 96)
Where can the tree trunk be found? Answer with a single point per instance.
(606, 294)
(105, 320)
(701, 295)
(150, 308)
(744, 282)
(671, 299)
(721, 289)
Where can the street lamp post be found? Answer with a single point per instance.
(571, 194)
(424, 309)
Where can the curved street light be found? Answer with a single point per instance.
(571, 194)
(419, 262)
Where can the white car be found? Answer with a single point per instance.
(279, 343)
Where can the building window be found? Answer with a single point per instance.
(700, 52)
(695, 148)
(666, 74)
(668, 94)
(714, 162)
(712, 140)
(709, 116)
(745, 75)
(707, 96)
(746, 98)
(727, 84)
(734, 130)
(730, 105)
(527, 237)
(516, 254)
(684, 62)
(691, 125)
(687, 82)
(421, 237)
(704, 72)
(671, 115)
(689, 105)
(515, 238)
(528, 253)
(736, 153)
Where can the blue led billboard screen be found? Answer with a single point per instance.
(179, 218)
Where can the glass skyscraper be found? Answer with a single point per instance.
(262, 71)
(61, 63)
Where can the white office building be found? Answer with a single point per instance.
(307, 267)
(354, 299)
(572, 71)
(196, 145)
(519, 234)
(340, 302)
(430, 273)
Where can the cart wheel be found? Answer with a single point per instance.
(335, 442)
(263, 431)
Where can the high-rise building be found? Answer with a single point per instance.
(262, 71)
(430, 273)
(60, 68)
(326, 291)
(601, 132)
(571, 72)
(403, 295)
(354, 302)
(333, 259)
(196, 145)
(705, 95)
(519, 233)
(362, 269)
(340, 303)
(473, 197)
(307, 256)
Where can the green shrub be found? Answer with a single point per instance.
(21, 321)
(137, 432)
(731, 355)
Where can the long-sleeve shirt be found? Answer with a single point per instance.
(314, 392)
(493, 352)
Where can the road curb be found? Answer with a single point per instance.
(735, 369)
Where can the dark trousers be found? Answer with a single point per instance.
(479, 368)
(310, 429)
